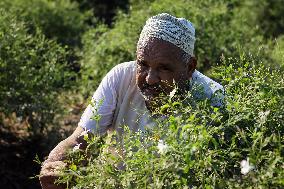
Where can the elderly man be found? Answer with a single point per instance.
(131, 91)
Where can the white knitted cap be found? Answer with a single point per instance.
(177, 31)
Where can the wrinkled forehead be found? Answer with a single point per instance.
(153, 46)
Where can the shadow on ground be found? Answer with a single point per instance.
(18, 150)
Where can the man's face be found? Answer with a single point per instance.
(159, 65)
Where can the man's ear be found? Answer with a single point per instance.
(191, 66)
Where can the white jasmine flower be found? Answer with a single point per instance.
(193, 149)
(163, 148)
(263, 116)
(246, 166)
(173, 92)
(77, 147)
(85, 132)
(185, 136)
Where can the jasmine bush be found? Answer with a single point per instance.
(278, 52)
(196, 145)
(270, 17)
(33, 72)
(60, 20)
(105, 11)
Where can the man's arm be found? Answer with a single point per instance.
(107, 93)
(50, 168)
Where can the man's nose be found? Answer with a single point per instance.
(152, 77)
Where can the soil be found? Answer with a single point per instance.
(18, 149)
(16, 160)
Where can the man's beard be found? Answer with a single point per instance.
(155, 96)
(160, 97)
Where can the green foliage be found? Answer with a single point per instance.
(33, 72)
(60, 20)
(270, 17)
(109, 47)
(278, 51)
(237, 146)
(103, 10)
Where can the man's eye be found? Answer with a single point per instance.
(165, 69)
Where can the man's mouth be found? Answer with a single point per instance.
(151, 90)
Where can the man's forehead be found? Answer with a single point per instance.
(155, 46)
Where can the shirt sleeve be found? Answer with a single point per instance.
(98, 115)
(205, 87)
(217, 98)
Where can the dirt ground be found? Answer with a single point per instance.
(18, 150)
(16, 160)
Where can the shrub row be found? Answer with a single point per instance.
(60, 20)
(33, 72)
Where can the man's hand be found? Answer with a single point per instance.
(51, 167)
(49, 174)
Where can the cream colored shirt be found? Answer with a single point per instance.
(118, 101)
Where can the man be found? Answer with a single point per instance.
(130, 93)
